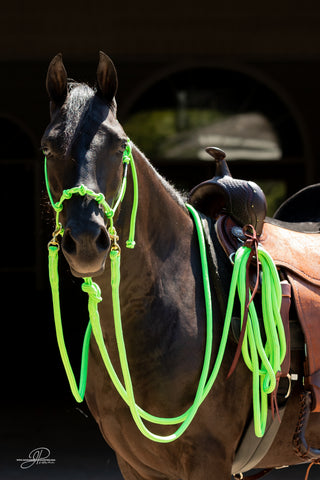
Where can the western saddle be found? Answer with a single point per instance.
(292, 238)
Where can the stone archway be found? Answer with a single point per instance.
(181, 113)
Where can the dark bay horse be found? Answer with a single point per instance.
(161, 296)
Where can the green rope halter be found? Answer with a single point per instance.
(100, 198)
(263, 361)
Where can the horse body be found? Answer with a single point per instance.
(161, 294)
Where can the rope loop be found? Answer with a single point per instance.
(251, 236)
(263, 358)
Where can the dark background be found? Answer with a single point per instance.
(269, 55)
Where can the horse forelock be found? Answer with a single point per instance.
(76, 106)
(80, 111)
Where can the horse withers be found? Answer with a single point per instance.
(161, 296)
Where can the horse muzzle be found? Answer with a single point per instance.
(86, 248)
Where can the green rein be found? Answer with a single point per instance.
(263, 360)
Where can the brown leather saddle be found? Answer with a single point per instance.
(293, 245)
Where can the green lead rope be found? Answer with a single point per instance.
(263, 360)
(78, 393)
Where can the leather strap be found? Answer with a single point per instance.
(284, 312)
(308, 309)
(251, 242)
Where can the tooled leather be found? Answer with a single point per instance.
(243, 200)
(294, 251)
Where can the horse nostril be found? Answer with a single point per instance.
(69, 244)
(103, 241)
(88, 242)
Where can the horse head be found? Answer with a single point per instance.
(83, 145)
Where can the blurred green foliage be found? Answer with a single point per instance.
(150, 129)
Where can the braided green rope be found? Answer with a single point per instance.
(263, 360)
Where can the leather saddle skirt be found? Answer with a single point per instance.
(296, 252)
(297, 255)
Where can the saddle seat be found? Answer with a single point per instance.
(294, 247)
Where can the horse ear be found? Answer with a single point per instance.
(107, 78)
(56, 82)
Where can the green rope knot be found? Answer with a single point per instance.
(66, 194)
(127, 154)
(58, 207)
(92, 289)
(100, 198)
(130, 243)
(83, 190)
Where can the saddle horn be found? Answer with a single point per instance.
(242, 200)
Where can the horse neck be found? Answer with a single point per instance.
(165, 234)
(163, 222)
(164, 247)
(160, 272)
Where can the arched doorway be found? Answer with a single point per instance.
(174, 119)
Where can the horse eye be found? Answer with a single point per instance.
(123, 147)
(46, 151)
